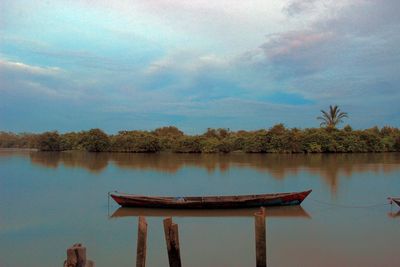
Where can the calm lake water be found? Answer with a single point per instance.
(48, 201)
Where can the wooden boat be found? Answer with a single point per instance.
(211, 202)
(395, 200)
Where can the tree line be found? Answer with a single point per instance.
(277, 139)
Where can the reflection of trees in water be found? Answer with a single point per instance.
(94, 162)
(47, 159)
(328, 166)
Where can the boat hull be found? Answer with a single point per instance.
(396, 200)
(211, 202)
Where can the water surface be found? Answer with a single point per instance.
(49, 201)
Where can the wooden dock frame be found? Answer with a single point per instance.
(76, 254)
(141, 242)
(260, 238)
(172, 240)
(76, 257)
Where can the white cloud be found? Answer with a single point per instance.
(24, 80)
(186, 61)
(31, 69)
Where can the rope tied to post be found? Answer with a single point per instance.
(349, 206)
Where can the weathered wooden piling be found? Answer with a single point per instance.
(76, 257)
(261, 241)
(172, 240)
(141, 242)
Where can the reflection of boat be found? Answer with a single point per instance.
(390, 214)
(211, 202)
(286, 211)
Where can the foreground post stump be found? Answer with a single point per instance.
(261, 241)
(141, 242)
(172, 240)
(76, 257)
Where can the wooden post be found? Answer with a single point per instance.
(76, 257)
(172, 240)
(141, 242)
(261, 241)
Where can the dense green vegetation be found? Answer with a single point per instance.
(277, 139)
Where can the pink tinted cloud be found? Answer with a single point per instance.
(292, 43)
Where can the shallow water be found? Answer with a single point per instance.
(48, 201)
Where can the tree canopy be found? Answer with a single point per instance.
(277, 139)
(333, 117)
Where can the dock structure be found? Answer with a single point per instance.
(76, 257)
(260, 238)
(76, 254)
(141, 242)
(172, 240)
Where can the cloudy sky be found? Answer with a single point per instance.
(76, 65)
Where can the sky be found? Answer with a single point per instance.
(123, 65)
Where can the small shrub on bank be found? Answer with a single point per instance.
(135, 141)
(95, 140)
(188, 144)
(49, 141)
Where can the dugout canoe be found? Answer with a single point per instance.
(395, 200)
(210, 202)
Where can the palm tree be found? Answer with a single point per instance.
(333, 117)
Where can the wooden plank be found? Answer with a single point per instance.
(261, 241)
(76, 257)
(172, 240)
(141, 242)
(167, 225)
(263, 211)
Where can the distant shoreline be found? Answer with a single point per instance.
(276, 139)
(239, 152)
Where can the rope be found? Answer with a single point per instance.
(348, 206)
